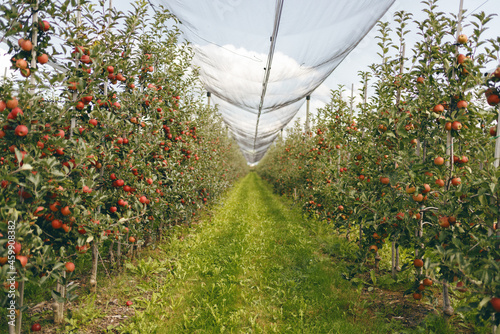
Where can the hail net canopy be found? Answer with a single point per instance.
(259, 59)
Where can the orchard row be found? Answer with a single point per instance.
(415, 165)
(104, 141)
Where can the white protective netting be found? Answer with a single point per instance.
(235, 40)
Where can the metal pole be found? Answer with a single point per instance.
(496, 162)
(34, 41)
(208, 97)
(308, 99)
(351, 106)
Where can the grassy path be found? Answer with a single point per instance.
(255, 268)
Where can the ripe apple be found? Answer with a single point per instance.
(440, 182)
(26, 45)
(113, 209)
(42, 59)
(36, 327)
(340, 208)
(21, 130)
(493, 100)
(12, 103)
(456, 181)
(418, 263)
(65, 211)
(438, 108)
(15, 112)
(110, 69)
(410, 190)
(384, 180)
(493, 131)
(17, 248)
(85, 59)
(21, 63)
(439, 161)
(417, 296)
(131, 240)
(23, 259)
(93, 122)
(129, 303)
(56, 224)
(420, 80)
(426, 189)
(444, 222)
(143, 199)
(70, 267)
(418, 197)
(120, 183)
(87, 99)
(456, 125)
(427, 282)
(495, 303)
(44, 25)
(462, 39)
(462, 104)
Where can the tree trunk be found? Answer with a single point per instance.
(118, 254)
(447, 308)
(21, 303)
(93, 273)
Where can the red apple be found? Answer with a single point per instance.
(70, 267)
(21, 130)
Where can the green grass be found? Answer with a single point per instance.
(255, 267)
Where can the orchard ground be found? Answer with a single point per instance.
(251, 264)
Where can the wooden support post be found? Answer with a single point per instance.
(208, 98)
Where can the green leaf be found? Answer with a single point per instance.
(483, 302)
(57, 297)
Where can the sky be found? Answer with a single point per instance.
(287, 60)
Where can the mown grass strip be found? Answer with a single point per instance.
(255, 267)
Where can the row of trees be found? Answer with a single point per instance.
(415, 165)
(104, 142)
